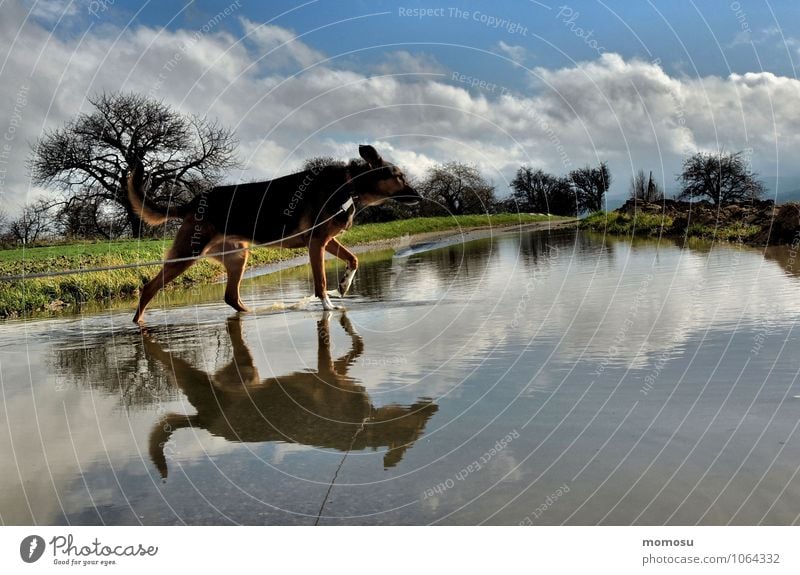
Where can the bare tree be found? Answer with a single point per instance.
(537, 191)
(645, 188)
(89, 157)
(456, 188)
(722, 178)
(319, 162)
(561, 198)
(35, 222)
(91, 218)
(590, 186)
(530, 188)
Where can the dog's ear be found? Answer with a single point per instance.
(371, 156)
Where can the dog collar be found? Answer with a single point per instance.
(349, 183)
(352, 190)
(348, 204)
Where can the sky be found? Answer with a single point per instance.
(501, 84)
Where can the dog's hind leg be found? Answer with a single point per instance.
(316, 253)
(160, 435)
(341, 252)
(168, 273)
(189, 242)
(234, 259)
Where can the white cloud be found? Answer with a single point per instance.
(771, 36)
(403, 62)
(53, 10)
(516, 53)
(742, 38)
(629, 112)
(279, 46)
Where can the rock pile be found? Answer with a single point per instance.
(777, 224)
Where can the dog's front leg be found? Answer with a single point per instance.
(347, 280)
(341, 252)
(316, 253)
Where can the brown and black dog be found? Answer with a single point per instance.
(308, 209)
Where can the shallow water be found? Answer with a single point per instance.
(534, 378)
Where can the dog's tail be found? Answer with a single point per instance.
(150, 213)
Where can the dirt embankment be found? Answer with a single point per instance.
(765, 223)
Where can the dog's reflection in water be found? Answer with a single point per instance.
(323, 408)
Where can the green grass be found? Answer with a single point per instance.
(733, 233)
(650, 225)
(642, 224)
(367, 233)
(23, 297)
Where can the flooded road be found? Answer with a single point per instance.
(527, 378)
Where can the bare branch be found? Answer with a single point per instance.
(722, 178)
(457, 188)
(97, 149)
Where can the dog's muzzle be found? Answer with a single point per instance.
(408, 197)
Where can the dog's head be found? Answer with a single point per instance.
(384, 181)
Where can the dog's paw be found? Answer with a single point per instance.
(327, 305)
(346, 281)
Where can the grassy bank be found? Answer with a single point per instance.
(21, 297)
(644, 224)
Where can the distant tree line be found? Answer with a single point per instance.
(582, 190)
(87, 161)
